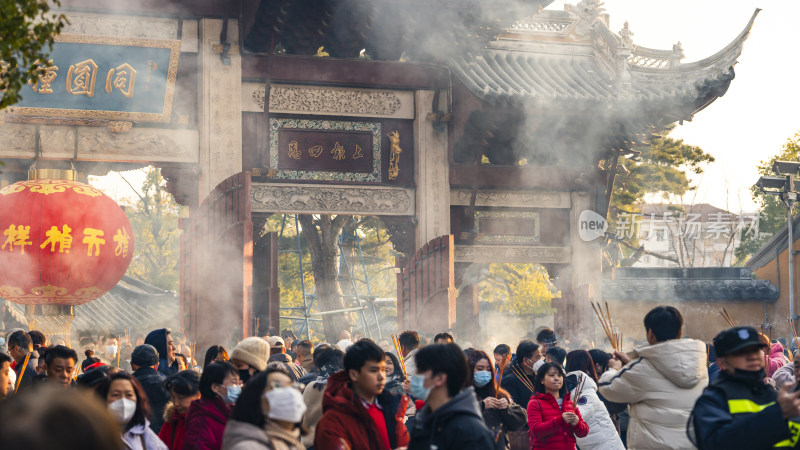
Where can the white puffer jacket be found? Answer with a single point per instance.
(602, 433)
(661, 384)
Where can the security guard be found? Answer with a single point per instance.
(738, 409)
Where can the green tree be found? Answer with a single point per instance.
(661, 171)
(26, 27)
(772, 212)
(521, 289)
(154, 219)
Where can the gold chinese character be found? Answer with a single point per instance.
(85, 73)
(63, 238)
(121, 238)
(47, 76)
(294, 152)
(124, 80)
(338, 152)
(91, 237)
(357, 154)
(315, 151)
(17, 236)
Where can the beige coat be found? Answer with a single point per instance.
(661, 384)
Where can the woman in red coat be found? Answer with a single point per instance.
(184, 387)
(553, 419)
(207, 417)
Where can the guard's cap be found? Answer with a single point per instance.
(735, 339)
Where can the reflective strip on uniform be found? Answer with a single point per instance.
(740, 406)
(744, 405)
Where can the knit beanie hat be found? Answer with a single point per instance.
(253, 351)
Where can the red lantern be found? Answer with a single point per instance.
(61, 243)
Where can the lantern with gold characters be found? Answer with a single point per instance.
(63, 243)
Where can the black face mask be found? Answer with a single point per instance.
(244, 375)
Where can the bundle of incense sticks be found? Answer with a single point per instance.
(605, 320)
(579, 388)
(500, 378)
(119, 340)
(127, 335)
(794, 333)
(258, 322)
(496, 432)
(22, 372)
(399, 354)
(728, 317)
(523, 378)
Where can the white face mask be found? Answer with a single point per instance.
(286, 404)
(122, 410)
(111, 350)
(538, 364)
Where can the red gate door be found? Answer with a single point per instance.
(426, 294)
(217, 265)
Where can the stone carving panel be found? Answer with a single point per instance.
(329, 101)
(18, 140)
(511, 254)
(316, 199)
(140, 144)
(121, 26)
(509, 198)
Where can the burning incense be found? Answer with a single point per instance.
(22, 372)
(399, 354)
(614, 337)
(500, 378)
(728, 317)
(119, 339)
(524, 379)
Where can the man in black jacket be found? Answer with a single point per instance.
(144, 362)
(739, 410)
(518, 376)
(451, 418)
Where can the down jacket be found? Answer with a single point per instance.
(776, 359)
(661, 384)
(205, 424)
(548, 431)
(346, 423)
(602, 432)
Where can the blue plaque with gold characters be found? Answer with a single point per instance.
(99, 77)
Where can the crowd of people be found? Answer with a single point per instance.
(278, 392)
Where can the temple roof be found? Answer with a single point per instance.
(572, 56)
(688, 284)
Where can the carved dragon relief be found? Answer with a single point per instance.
(330, 199)
(330, 100)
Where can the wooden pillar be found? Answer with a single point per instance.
(266, 292)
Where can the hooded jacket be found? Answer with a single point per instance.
(661, 384)
(784, 375)
(174, 429)
(246, 436)
(456, 425)
(205, 424)
(776, 359)
(158, 339)
(345, 420)
(548, 430)
(602, 432)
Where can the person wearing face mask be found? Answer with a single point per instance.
(144, 362)
(738, 409)
(451, 418)
(109, 351)
(358, 413)
(250, 357)
(205, 423)
(518, 378)
(268, 416)
(127, 403)
(499, 411)
(184, 388)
